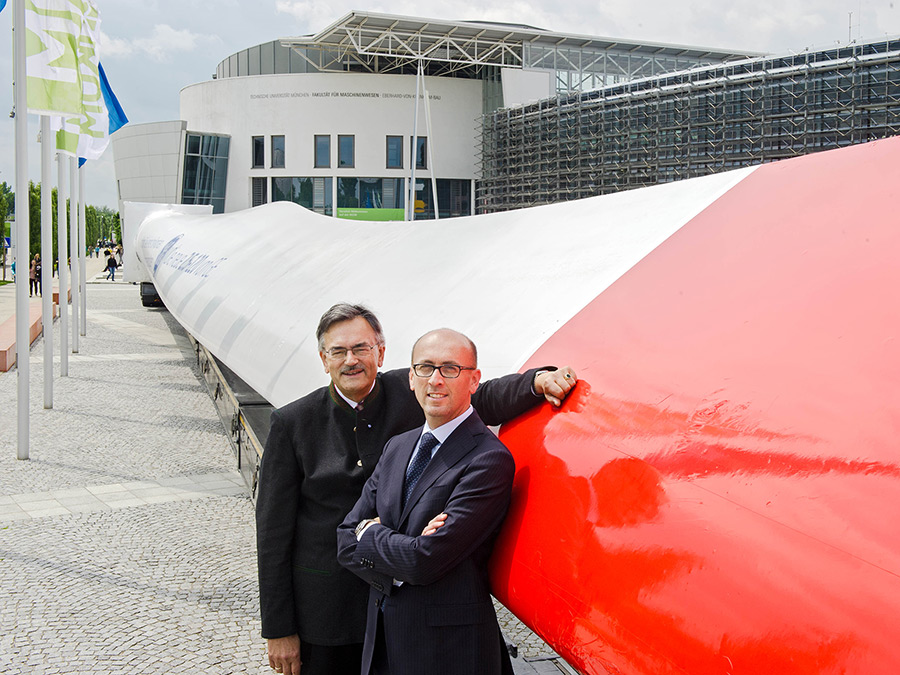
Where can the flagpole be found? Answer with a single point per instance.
(23, 244)
(47, 143)
(73, 248)
(410, 204)
(81, 250)
(61, 239)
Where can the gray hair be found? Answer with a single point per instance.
(343, 311)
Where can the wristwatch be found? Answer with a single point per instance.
(361, 526)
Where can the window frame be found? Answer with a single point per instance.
(423, 140)
(273, 165)
(253, 151)
(352, 164)
(387, 152)
(316, 164)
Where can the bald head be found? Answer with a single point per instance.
(450, 335)
(444, 397)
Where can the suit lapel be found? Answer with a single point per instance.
(459, 444)
(396, 477)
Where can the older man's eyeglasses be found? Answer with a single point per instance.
(340, 353)
(449, 371)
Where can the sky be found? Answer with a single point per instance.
(151, 49)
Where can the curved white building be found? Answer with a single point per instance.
(330, 121)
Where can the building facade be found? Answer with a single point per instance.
(688, 124)
(339, 121)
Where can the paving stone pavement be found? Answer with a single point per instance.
(127, 540)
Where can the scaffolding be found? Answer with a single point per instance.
(682, 125)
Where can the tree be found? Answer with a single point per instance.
(99, 221)
(7, 192)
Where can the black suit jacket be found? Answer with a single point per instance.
(318, 455)
(441, 620)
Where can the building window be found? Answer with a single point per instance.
(259, 152)
(421, 152)
(322, 152)
(277, 152)
(454, 198)
(313, 193)
(346, 151)
(395, 152)
(258, 195)
(370, 198)
(205, 171)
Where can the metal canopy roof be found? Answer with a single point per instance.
(364, 35)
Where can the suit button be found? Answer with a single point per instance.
(354, 430)
(378, 587)
(359, 462)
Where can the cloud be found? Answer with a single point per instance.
(163, 45)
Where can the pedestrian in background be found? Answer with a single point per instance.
(111, 266)
(34, 276)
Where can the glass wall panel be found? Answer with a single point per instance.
(348, 193)
(205, 171)
(454, 198)
(282, 58)
(281, 189)
(253, 58)
(322, 149)
(313, 193)
(298, 63)
(277, 152)
(370, 198)
(346, 152)
(243, 63)
(421, 152)
(267, 58)
(395, 152)
(258, 157)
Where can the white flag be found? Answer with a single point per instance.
(87, 134)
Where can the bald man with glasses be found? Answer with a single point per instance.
(424, 527)
(320, 451)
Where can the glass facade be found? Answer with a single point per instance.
(313, 193)
(370, 198)
(575, 65)
(205, 170)
(454, 198)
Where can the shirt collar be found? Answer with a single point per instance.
(350, 403)
(443, 432)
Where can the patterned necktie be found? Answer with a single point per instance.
(420, 461)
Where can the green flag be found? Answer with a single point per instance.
(87, 135)
(53, 32)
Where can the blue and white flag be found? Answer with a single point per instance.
(116, 115)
